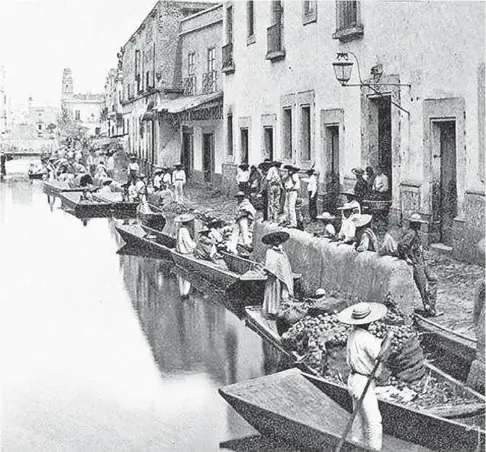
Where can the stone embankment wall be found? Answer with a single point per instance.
(355, 276)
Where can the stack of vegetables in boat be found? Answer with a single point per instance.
(415, 397)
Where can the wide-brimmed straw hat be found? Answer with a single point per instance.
(276, 163)
(243, 166)
(240, 194)
(289, 167)
(362, 313)
(325, 216)
(204, 230)
(346, 206)
(349, 192)
(215, 222)
(184, 218)
(357, 171)
(362, 220)
(416, 218)
(275, 237)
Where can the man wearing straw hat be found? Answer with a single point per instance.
(329, 231)
(363, 351)
(347, 233)
(366, 239)
(292, 187)
(410, 249)
(179, 180)
(280, 283)
(185, 243)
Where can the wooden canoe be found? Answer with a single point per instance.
(160, 237)
(85, 209)
(247, 284)
(36, 176)
(119, 208)
(155, 219)
(456, 430)
(54, 188)
(134, 236)
(287, 405)
(448, 341)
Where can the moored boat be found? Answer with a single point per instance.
(119, 208)
(449, 342)
(160, 237)
(56, 187)
(286, 405)
(154, 219)
(135, 236)
(250, 283)
(36, 175)
(458, 427)
(84, 208)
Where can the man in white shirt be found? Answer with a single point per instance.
(110, 165)
(312, 192)
(292, 187)
(347, 233)
(185, 243)
(274, 190)
(381, 184)
(141, 186)
(157, 182)
(167, 178)
(179, 180)
(133, 169)
(242, 177)
(363, 352)
(244, 218)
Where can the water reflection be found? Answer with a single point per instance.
(103, 353)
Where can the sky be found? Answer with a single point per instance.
(39, 38)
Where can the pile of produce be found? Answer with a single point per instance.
(320, 342)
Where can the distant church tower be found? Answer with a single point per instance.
(67, 84)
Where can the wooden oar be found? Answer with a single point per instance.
(384, 348)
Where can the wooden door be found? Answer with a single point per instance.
(187, 152)
(208, 157)
(332, 169)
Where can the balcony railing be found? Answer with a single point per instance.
(275, 50)
(189, 85)
(228, 62)
(210, 82)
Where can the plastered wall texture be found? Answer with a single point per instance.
(355, 276)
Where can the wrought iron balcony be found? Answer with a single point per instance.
(228, 62)
(275, 50)
(189, 85)
(210, 82)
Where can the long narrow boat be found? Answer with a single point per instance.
(134, 236)
(154, 219)
(450, 342)
(160, 237)
(55, 187)
(37, 176)
(286, 405)
(248, 284)
(85, 209)
(459, 426)
(119, 208)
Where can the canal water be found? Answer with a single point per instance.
(99, 352)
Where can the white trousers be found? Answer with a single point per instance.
(289, 208)
(179, 193)
(244, 231)
(367, 427)
(184, 286)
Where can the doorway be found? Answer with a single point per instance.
(187, 151)
(332, 158)
(208, 157)
(444, 179)
(244, 145)
(385, 137)
(268, 142)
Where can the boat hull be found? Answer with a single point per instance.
(398, 420)
(134, 236)
(85, 209)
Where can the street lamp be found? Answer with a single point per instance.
(343, 68)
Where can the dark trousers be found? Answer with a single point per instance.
(312, 206)
(265, 205)
(426, 282)
(243, 186)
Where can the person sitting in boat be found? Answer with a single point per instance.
(366, 239)
(347, 233)
(105, 186)
(86, 196)
(216, 232)
(244, 218)
(280, 282)
(329, 231)
(352, 201)
(85, 180)
(79, 167)
(205, 247)
(185, 243)
(363, 350)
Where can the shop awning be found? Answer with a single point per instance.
(187, 103)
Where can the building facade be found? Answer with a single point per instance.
(43, 117)
(85, 109)
(418, 109)
(112, 112)
(151, 68)
(3, 102)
